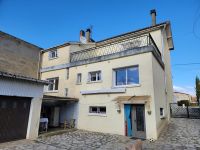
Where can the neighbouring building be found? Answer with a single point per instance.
(179, 96)
(21, 91)
(119, 85)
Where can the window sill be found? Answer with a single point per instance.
(55, 91)
(53, 58)
(90, 82)
(162, 117)
(78, 83)
(96, 114)
(126, 86)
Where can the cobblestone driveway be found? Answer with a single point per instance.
(180, 134)
(76, 140)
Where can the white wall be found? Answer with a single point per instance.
(13, 87)
(34, 118)
(69, 111)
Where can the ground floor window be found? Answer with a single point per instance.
(161, 112)
(97, 109)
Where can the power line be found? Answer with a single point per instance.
(187, 64)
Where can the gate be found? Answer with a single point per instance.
(192, 112)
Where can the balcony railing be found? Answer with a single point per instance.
(120, 46)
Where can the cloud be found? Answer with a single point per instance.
(185, 89)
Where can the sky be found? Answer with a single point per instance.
(47, 23)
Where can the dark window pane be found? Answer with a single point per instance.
(161, 112)
(132, 75)
(93, 76)
(56, 83)
(140, 118)
(121, 77)
(102, 110)
(50, 86)
(99, 76)
(93, 109)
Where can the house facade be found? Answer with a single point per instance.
(123, 84)
(179, 96)
(21, 91)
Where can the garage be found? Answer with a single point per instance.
(14, 115)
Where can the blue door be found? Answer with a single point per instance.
(128, 119)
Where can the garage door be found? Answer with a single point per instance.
(14, 114)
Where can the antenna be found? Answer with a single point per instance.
(91, 29)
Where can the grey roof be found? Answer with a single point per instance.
(118, 37)
(20, 77)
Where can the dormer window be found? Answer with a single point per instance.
(53, 54)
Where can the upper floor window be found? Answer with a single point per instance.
(126, 76)
(79, 78)
(94, 76)
(53, 54)
(53, 86)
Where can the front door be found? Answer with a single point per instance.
(138, 121)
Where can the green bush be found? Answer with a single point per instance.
(186, 102)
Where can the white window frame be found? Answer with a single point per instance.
(51, 52)
(98, 74)
(54, 84)
(98, 113)
(126, 85)
(79, 78)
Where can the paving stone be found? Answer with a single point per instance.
(180, 134)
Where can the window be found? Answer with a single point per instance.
(53, 86)
(79, 78)
(126, 76)
(53, 54)
(66, 91)
(97, 109)
(161, 112)
(94, 76)
(67, 73)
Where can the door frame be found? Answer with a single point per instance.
(130, 123)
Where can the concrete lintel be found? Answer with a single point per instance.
(104, 91)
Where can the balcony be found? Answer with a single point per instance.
(128, 44)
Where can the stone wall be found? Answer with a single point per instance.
(18, 56)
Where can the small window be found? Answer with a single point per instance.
(66, 91)
(53, 86)
(67, 73)
(126, 76)
(94, 76)
(79, 78)
(161, 112)
(53, 54)
(97, 109)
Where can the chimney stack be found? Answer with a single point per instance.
(82, 35)
(153, 16)
(88, 35)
